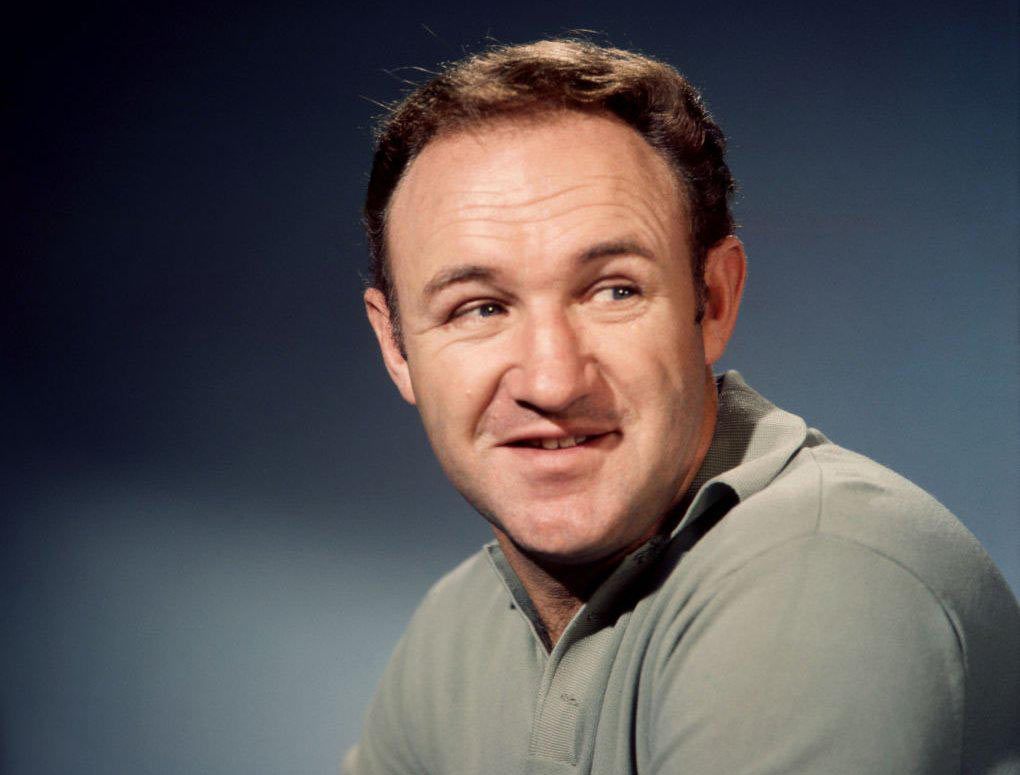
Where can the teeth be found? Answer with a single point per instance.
(564, 443)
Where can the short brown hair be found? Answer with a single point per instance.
(501, 81)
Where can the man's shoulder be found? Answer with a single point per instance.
(472, 581)
(832, 499)
(862, 502)
(862, 580)
(460, 602)
(797, 488)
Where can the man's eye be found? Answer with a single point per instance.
(617, 293)
(486, 309)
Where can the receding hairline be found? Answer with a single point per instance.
(524, 117)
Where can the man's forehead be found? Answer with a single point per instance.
(503, 172)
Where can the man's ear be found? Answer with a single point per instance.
(396, 364)
(725, 269)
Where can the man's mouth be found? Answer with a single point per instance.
(557, 442)
(561, 443)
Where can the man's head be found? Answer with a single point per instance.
(650, 96)
(554, 338)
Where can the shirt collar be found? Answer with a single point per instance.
(752, 443)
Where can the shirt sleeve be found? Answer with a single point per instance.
(818, 656)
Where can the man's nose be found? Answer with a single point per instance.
(552, 370)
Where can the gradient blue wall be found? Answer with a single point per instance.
(217, 514)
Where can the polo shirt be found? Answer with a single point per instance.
(811, 612)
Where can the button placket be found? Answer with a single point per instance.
(561, 707)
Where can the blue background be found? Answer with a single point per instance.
(218, 514)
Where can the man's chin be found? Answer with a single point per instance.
(562, 551)
(555, 536)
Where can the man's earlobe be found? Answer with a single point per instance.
(725, 271)
(396, 364)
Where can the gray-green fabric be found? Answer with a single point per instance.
(834, 618)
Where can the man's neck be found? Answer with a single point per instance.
(558, 590)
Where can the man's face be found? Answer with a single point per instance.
(543, 275)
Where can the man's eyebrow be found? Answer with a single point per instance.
(453, 275)
(620, 247)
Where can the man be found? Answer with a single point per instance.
(685, 578)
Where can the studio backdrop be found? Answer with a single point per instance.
(217, 513)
